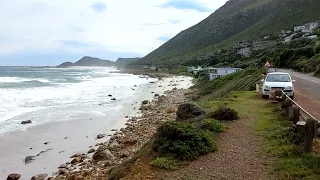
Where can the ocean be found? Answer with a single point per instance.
(51, 94)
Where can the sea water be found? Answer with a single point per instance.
(60, 94)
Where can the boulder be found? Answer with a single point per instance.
(188, 111)
(26, 122)
(76, 155)
(76, 160)
(145, 102)
(39, 177)
(100, 136)
(91, 150)
(114, 145)
(110, 95)
(156, 95)
(28, 159)
(14, 176)
(113, 99)
(172, 109)
(104, 155)
(63, 166)
(46, 143)
(63, 171)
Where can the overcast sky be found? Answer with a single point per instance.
(48, 32)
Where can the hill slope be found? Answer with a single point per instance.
(237, 20)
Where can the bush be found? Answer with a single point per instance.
(317, 72)
(212, 125)
(224, 113)
(317, 48)
(188, 111)
(165, 162)
(182, 141)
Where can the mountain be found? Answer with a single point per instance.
(92, 61)
(88, 61)
(237, 20)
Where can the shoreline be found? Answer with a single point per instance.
(47, 152)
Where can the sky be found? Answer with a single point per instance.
(49, 32)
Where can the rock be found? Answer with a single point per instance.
(76, 160)
(28, 159)
(50, 178)
(189, 111)
(61, 152)
(91, 150)
(26, 122)
(63, 171)
(172, 109)
(46, 143)
(39, 177)
(104, 155)
(156, 95)
(135, 85)
(114, 145)
(65, 166)
(76, 155)
(110, 95)
(100, 136)
(126, 116)
(113, 99)
(66, 137)
(152, 92)
(14, 176)
(145, 102)
(114, 130)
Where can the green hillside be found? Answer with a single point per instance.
(237, 20)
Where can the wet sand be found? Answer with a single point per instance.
(69, 137)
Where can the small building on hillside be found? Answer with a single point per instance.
(288, 39)
(153, 68)
(258, 45)
(240, 45)
(190, 69)
(307, 28)
(246, 52)
(312, 37)
(218, 72)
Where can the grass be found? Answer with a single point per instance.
(278, 140)
(166, 163)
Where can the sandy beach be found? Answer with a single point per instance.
(52, 144)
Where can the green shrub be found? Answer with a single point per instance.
(182, 141)
(224, 113)
(166, 163)
(317, 72)
(188, 111)
(213, 125)
(317, 48)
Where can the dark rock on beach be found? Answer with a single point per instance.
(100, 136)
(29, 159)
(113, 99)
(26, 122)
(39, 177)
(14, 176)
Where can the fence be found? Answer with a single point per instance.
(305, 124)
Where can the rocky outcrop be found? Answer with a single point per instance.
(102, 155)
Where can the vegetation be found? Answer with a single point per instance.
(213, 126)
(224, 113)
(244, 80)
(235, 21)
(182, 141)
(165, 163)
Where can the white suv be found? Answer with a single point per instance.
(278, 80)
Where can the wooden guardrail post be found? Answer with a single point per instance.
(308, 135)
(296, 114)
(287, 104)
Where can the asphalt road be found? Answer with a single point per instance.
(305, 82)
(307, 91)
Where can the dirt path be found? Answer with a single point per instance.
(238, 157)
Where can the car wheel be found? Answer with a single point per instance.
(265, 96)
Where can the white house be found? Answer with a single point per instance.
(218, 72)
(258, 45)
(307, 28)
(245, 52)
(312, 37)
(190, 69)
(153, 68)
(195, 71)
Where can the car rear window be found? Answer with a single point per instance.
(278, 78)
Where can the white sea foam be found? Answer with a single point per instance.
(65, 101)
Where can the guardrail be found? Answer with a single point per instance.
(305, 124)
